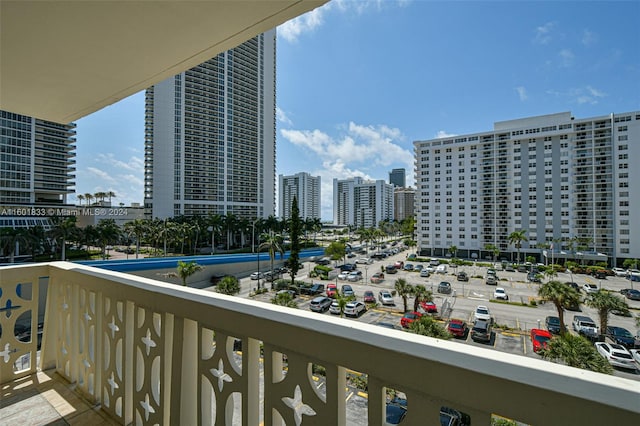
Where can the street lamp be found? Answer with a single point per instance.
(253, 233)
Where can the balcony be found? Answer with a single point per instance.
(147, 352)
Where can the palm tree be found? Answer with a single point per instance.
(10, 238)
(63, 229)
(605, 302)
(562, 296)
(228, 285)
(137, 228)
(404, 290)
(88, 196)
(284, 299)
(421, 294)
(427, 326)
(453, 251)
(273, 243)
(186, 269)
(36, 236)
(230, 224)
(214, 224)
(110, 194)
(517, 238)
(493, 250)
(575, 351)
(108, 233)
(80, 198)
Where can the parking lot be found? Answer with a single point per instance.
(512, 321)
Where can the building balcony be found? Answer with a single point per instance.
(147, 352)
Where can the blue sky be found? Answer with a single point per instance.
(359, 81)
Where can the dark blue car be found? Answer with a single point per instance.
(621, 336)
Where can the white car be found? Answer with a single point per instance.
(635, 353)
(334, 308)
(500, 294)
(343, 275)
(354, 276)
(482, 312)
(386, 298)
(619, 272)
(590, 288)
(364, 260)
(257, 276)
(425, 273)
(617, 355)
(354, 309)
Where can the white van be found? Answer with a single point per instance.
(441, 269)
(434, 262)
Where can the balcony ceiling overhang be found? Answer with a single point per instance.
(62, 60)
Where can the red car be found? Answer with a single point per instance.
(408, 318)
(457, 327)
(539, 338)
(429, 307)
(332, 290)
(369, 297)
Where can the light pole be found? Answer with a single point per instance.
(210, 228)
(253, 233)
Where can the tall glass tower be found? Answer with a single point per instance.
(210, 136)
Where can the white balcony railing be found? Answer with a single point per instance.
(157, 353)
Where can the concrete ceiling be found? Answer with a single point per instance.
(62, 60)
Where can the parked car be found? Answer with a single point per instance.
(441, 269)
(492, 271)
(458, 328)
(412, 256)
(619, 272)
(332, 290)
(343, 275)
(320, 304)
(500, 294)
(444, 287)
(419, 267)
(424, 273)
(395, 413)
(451, 417)
(408, 267)
(621, 336)
(585, 326)
(481, 331)
(334, 308)
(540, 338)
(462, 276)
(354, 309)
(482, 312)
(376, 278)
(364, 260)
(315, 289)
(354, 276)
(256, 276)
(533, 277)
(633, 295)
(590, 288)
(491, 280)
(385, 298)
(635, 353)
(617, 355)
(369, 297)
(391, 269)
(408, 318)
(347, 291)
(399, 264)
(553, 324)
(429, 307)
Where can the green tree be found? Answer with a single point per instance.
(284, 299)
(273, 243)
(136, 228)
(186, 269)
(336, 250)
(631, 263)
(495, 251)
(453, 251)
(342, 302)
(108, 233)
(606, 302)
(516, 238)
(228, 285)
(575, 351)
(562, 296)
(10, 238)
(64, 229)
(427, 326)
(421, 294)
(294, 235)
(404, 290)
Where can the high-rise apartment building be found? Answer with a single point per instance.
(567, 182)
(37, 160)
(360, 203)
(210, 136)
(403, 203)
(397, 177)
(307, 190)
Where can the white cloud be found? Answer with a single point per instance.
(281, 116)
(442, 134)
(135, 164)
(365, 151)
(582, 95)
(543, 33)
(522, 93)
(101, 174)
(566, 57)
(588, 37)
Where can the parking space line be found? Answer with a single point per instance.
(524, 345)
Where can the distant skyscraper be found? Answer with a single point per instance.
(36, 167)
(307, 190)
(397, 177)
(210, 136)
(363, 204)
(403, 203)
